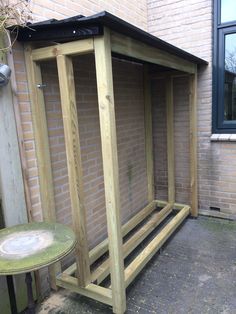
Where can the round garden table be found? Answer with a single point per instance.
(29, 247)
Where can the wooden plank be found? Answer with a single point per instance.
(161, 203)
(172, 73)
(42, 148)
(22, 152)
(13, 206)
(135, 220)
(170, 140)
(11, 179)
(20, 136)
(95, 292)
(127, 46)
(110, 167)
(177, 206)
(148, 133)
(103, 270)
(102, 247)
(150, 250)
(71, 48)
(193, 143)
(74, 164)
(41, 137)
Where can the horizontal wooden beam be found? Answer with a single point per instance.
(103, 270)
(134, 221)
(172, 73)
(95, 292)
(71, 48)
(144, 257)
(127, 46)
(178, 206)
(102, 247)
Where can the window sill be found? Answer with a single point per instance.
(223, 138)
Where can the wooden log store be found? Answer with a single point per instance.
(107, 36)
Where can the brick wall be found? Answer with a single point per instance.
(188, 25)
(128, 89)
(132, 11)
(181, 139)
(26, 121)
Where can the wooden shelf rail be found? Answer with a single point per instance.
(95, 292)
(144, 257)
(103, 270)
(102, 247)
(156, 218)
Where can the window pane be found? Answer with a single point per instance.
(228, 10)
(230, 78)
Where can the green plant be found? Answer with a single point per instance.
(13, 14)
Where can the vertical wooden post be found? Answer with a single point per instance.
(20, 135)
(22, 154)
(170, 139)
(148, 133)
(193, 143)
(42, 148)
(11, 178)
(110, 167)
(74, 164)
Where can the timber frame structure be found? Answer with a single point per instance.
(103, 40)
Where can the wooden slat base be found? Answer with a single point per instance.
(103, 270)
(95, 292)
(144, 257)
(104, 295)
(102, 247)
(176, 206)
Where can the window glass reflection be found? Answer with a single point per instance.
(230, 78)
(228, 10)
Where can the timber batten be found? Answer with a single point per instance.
(123, 239)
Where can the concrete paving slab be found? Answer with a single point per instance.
(195, 273)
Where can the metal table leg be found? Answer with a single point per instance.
(31, 303)
(11, 292)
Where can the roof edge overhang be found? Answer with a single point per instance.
(79, 27)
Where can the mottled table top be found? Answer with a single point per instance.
(28, 247)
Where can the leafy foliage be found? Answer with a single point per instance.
(14, 14)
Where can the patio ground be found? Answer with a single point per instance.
(195, 273)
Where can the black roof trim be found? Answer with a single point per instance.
(78, 27)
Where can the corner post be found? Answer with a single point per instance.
(103, 62)
(40, 128)
(74, 165)
(193, 143)
(170, 139)
(148, 132)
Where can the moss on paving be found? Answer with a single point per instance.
(218, 225)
